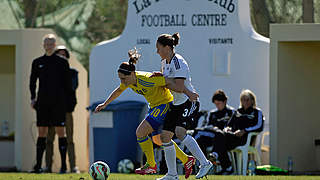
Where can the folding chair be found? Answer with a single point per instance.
(242, 153)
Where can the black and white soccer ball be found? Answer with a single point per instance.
(99, 170)
(125, 166)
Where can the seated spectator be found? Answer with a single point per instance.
(248, 118)
(216, 120)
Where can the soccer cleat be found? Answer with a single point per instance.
(146, 169)
(62, 171)
(75, 170)
(188, 166)
(47, 170)
(169, 177)
(204, 169)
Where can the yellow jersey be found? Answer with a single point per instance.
(151, 88)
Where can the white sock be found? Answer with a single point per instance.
(194, 148)
(170, 155)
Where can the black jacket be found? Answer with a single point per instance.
(250, 120)
(220, 118)
(54, 81)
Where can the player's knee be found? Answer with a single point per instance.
(180, 133)
(166, 136)
(60, 132)
(139, 133)
(180, 136)
(165, 139)
(43, 131)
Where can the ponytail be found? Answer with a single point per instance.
(127, 67)
(169, 40)
(175, 38)
(133, 56)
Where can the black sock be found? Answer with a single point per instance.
(41, 147)
(63, 152)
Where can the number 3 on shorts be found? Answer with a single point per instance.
(185, 114)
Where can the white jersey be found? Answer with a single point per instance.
(178, 68)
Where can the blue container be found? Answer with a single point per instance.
(114, 144)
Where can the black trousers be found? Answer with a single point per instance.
(224, 142)
(204, 142)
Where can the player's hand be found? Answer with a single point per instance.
(239, 133)
(193, 96)
(100, 107)
(33, 103)
(156, 74)
(227, 129)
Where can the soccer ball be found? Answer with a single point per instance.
(125, 166)
(99, 170)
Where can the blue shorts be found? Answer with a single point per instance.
(157, 115)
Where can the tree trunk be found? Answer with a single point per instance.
(260, 17)
(29, 11)
(308, 11)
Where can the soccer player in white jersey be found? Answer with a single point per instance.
(182, 111)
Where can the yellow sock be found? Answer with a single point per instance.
(180, 154)
(147, 147)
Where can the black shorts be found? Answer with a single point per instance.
(181, 115)
(50, 116)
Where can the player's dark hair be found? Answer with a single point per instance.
(127, 67)
(219, 95)
(169, 40)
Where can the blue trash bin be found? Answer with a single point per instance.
(114, 144)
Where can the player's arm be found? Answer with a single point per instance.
(169, 83)
(32, 83)
(174, 85)
(177, 85)
(193, 96)
(116, 93)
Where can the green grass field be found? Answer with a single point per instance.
(114, 176)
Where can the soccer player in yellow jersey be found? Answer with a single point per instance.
(159, 98)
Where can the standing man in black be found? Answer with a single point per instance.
(72, 101)
(51, 100)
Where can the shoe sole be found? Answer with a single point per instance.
(205, 173)
(142, 173)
